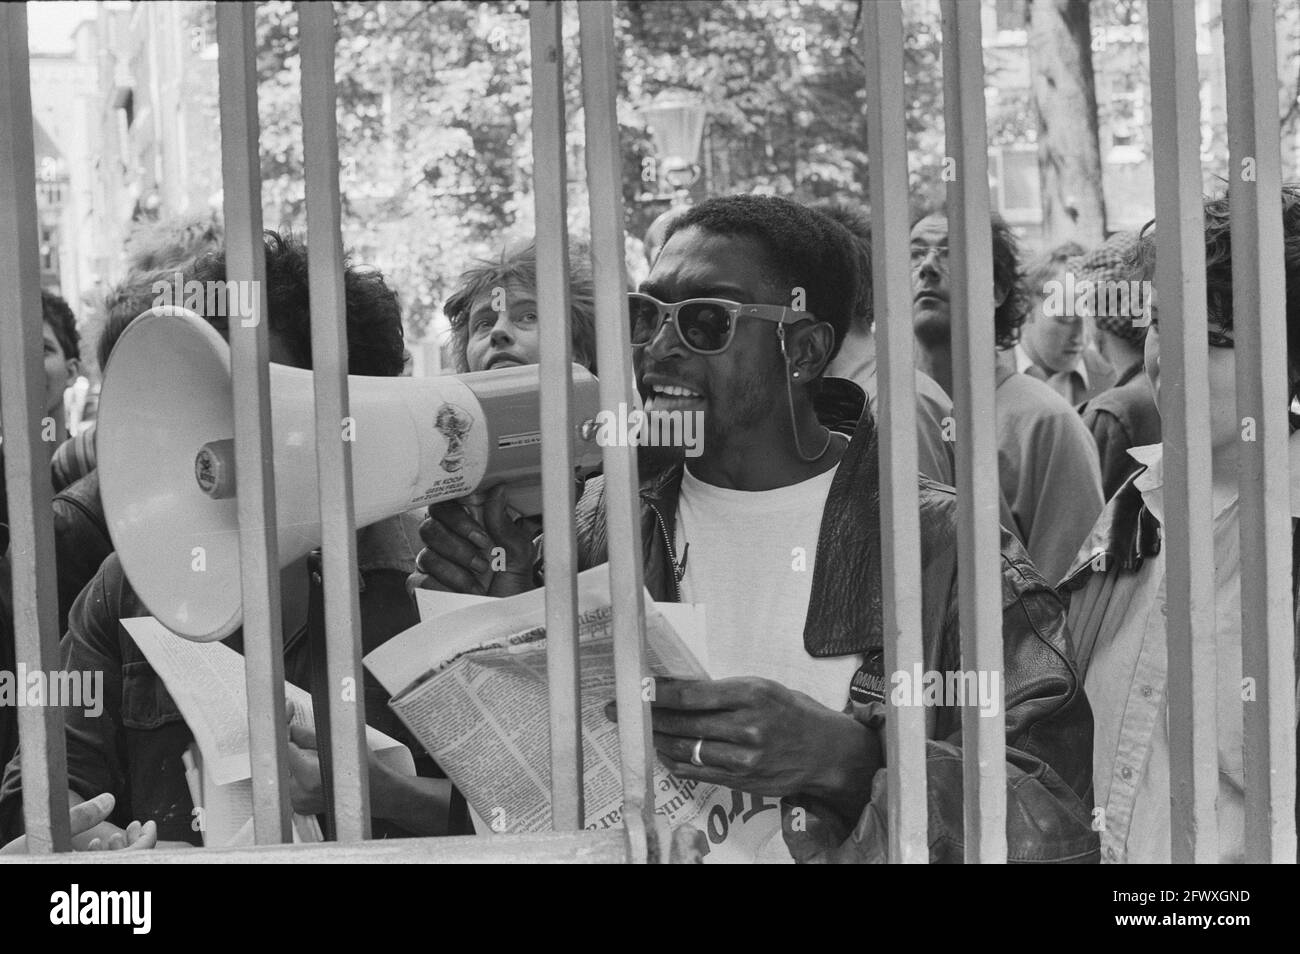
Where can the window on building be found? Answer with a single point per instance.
(1013, 183)
(124, 99)
(1011, 15)
(49, 248)
(1123, 116)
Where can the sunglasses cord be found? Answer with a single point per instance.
(794, 423)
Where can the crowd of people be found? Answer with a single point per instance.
(757, 314)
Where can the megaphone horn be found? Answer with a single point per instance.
(167, 467)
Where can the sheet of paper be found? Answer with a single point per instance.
(689, 621)
(472, 686)
(443, 631)
(207, 681)
(434, 603)
(687, 618)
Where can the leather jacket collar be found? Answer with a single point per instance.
(1125, 535)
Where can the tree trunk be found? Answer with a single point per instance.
(1069, 157)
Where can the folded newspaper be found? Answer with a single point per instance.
(471, 686)
(207, 682)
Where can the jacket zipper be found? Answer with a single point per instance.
(672, 555)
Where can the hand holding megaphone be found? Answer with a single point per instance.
(478, 549)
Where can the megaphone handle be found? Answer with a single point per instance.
(474, 504)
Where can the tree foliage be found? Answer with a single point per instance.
(435, 137)
(435, 115)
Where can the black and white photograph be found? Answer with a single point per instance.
(650, 432)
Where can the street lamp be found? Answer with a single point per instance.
(676, 122)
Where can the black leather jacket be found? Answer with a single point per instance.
(81, 539)
(1124, 536)
(1048, 721)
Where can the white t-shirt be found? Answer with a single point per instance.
(750, 564)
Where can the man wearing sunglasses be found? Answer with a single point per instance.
(775, 529)
(1116, 591)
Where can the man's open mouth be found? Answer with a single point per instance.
(504, 360)
(667, 397)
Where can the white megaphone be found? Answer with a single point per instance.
(165, 441)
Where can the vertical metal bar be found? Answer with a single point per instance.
(979, 586)
(27, 468)
(599, 55)
(1185, 417)
(556, 347)
(1255, 161)
(900, 524)
(329, 342)
(250, 377)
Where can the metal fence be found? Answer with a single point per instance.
(1267, 620)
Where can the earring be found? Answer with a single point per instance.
(795, 375)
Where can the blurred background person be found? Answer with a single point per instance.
(154, 251)
(1053, 346)
(1125, 415)
(1048, 476)
(62, 347)
(171, 243)
(62, 366)
(856, 358)
(1117, 588)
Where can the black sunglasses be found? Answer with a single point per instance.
(704, 325)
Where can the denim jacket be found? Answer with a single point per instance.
(1048, 721)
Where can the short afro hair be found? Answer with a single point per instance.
(805, 249)
(56, 313)
(854, 217)
(657, 233)
(1010, 315)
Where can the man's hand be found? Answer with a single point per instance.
(763, 738)
(136, 836)
(305, 790)
(419, 805)
(89, 815)
(458, 549)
